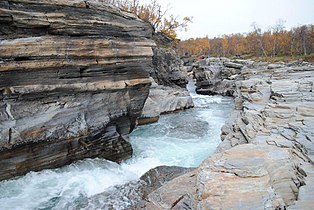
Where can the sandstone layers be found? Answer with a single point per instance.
(265, 160)
(74, 76)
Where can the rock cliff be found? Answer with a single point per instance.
(265, 160)
(168, 68)
(168, 92)
(74, 76)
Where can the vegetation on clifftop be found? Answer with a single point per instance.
(162, 22)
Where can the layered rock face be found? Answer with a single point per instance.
(74, 76)
(217, 76)
(168, 92)
(164, 99)
(266, 158)
(168, 68)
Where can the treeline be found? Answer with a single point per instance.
(153, 13)
(276, 41)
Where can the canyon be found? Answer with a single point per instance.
(76, 77)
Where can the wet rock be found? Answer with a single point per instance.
(134, 195)
(74, 77)
(157, 177)
(117, 197)
(164, 99)
(265, 160)
(179, 193)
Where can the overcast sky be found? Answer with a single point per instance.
(218, 17)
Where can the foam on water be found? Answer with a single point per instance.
(184, 138)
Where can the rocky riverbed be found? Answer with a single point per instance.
(265, 160)
(74, 78)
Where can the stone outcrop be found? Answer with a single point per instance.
(276, 106)
(168, 92)
(244, 177)
(265, 160)
(74, 76)
(168, 68)
(162, 100)
(250, 177)
(131, 194)
(216, 76)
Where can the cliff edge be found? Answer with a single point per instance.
(74, 76)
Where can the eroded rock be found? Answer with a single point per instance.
(162, 100)
(265, 160)
(74, 77)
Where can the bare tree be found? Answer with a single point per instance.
(303, 38)
(258, 32)
(278, 28)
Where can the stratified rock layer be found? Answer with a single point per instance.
(266, 158)
(162, 100)
(168, 68)
(168, 92)
(73, 80)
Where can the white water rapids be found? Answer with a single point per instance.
(184, 138)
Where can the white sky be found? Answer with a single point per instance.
(218, 17)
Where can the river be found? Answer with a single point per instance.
(184, 138)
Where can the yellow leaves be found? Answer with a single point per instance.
(153, 13)
(195, 46)
(274, 42)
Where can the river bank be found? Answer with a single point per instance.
(184, 139)
(265, 159)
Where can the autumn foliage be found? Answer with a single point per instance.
(153, 13)
(276, 41)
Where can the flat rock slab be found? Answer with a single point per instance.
(244, 177)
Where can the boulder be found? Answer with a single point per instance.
(134, 194)
(162, 100)
(275, 66)
(233, 65)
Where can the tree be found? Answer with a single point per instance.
(258, 32)
(278, 30)
(155, 15)
(275, 41)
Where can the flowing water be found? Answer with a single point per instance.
(184, 138)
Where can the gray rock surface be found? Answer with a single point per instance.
(74, 76)
(133, 195)
(168, 91)
(265, 160)
(275, 107)
(218, 76)
(168, 68)
(162, 100)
